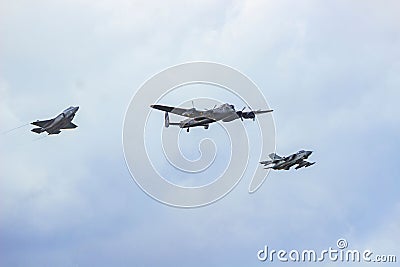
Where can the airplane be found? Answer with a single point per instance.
(54, 126)
(284, 163)
(225, 112)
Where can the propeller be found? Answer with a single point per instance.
(240, 113)
(251, 114)
(246, 115)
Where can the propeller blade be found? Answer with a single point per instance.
(240, 113)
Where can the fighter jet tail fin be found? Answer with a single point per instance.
(55, 132)
(310, 164)
(37, 130)
(274, 156)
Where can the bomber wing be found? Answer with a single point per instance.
(190, 112)
(42, 123)
(200, 121)
(203, 118)
(262, 111)
(251, 114)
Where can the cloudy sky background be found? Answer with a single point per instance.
(330, 70)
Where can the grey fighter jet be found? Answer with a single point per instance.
(54, 126)
(284, 163)
(225, 112)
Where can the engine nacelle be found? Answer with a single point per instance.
(248, 115)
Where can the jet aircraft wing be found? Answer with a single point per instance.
(191, 113)
(70, 126)
(42, 123)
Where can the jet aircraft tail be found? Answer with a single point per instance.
(274, 156)
(37, 130)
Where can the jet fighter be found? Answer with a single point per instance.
(225, 112)
(54, 126)
(284, 163)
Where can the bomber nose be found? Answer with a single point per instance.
(308, 153)
(76, 108)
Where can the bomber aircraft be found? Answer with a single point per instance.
(225, 112)
(54, 126)
(284, 163)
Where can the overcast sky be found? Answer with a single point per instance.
(329, 69)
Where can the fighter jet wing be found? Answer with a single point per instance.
(191, 113)
(70, 126)
(42, 123)
(305, 164)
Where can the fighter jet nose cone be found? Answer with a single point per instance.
(76, 108)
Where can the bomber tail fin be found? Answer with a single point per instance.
(166, 120)
(167, 123)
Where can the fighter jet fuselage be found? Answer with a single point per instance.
(54, 126)
(285, 163)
